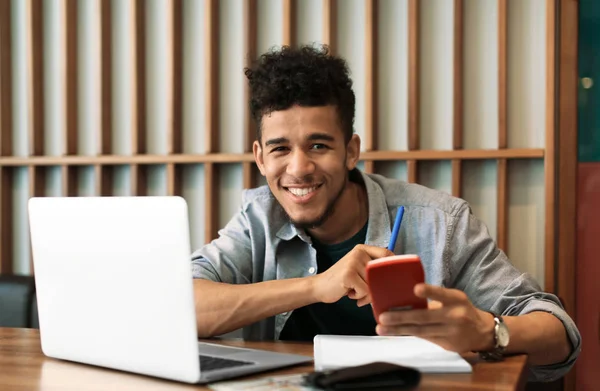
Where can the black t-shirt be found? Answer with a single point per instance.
(343, 317)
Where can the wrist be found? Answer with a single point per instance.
(487, 340)
(312, 288)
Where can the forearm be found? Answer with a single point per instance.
(221, 308)
(540, 335)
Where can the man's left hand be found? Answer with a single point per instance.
(451, 321)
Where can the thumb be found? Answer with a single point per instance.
(434, 305)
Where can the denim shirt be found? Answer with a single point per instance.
(456, 250)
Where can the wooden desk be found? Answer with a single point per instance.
(24, 367)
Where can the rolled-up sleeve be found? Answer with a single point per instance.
(479, 268)
(229, 257)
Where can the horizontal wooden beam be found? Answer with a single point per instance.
(473, 154)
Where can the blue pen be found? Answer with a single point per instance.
(396, 229)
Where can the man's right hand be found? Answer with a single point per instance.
(347, 277)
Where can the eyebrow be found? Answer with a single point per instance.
(320, 136)
(279, 140)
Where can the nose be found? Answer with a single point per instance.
(300, 164)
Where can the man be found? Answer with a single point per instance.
(291, 262)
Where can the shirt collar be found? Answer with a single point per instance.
(378, 232)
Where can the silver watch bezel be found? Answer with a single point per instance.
(501, 333)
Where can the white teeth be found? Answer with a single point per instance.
(301, 192)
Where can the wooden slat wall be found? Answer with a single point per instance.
(413, 86)
(250, 32)
(371, 80)
(138, 133)
(330, 24)
(106, 162)
(6, 124)
(289, 22)
(212, 117)
(502, 210)
(37, 126)
(457, 126)
(566, 167)
(105, 174)
(550, 158)
(174, 138)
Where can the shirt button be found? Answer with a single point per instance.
(311, 270)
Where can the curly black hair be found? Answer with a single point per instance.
(306, 76)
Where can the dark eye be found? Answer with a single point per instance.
(319, 146)
(278, 149)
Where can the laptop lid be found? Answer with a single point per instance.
(114, 283)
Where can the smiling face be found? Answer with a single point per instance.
(303, 155)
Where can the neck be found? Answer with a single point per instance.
(342, 225)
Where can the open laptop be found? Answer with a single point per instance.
(114, 289)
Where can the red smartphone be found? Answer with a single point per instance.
(391, 283)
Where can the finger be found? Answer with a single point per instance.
(443, 295)
(364, 301)
(417, 317)
(358, 287)
(374, 252)
(434, 305)
(427, 331)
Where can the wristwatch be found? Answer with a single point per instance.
(501, 339)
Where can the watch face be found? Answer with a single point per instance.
(503, 335)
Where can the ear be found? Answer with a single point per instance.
(352, 152)
(258, 157)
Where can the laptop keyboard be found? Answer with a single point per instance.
(210, 363)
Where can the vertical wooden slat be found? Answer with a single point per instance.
(104, 174)
(211, 36)
(105, 141)
(550, 149)
(71, 136)
(139, 180)
(6, 220)
(457, 128)
(6, 114)
(175, 138)
(413, 85)
(211, 193)
(567, 168)
(250, 36)
(6, 125)
(289, 22)
(36, 177)
(457, 178)
(411, 168)
(139, 133)
(371, 80)
(69, 181)
(37, 76)
(457, 139)
(175, 183)
(177, 76)
(138, 104)
(502, 221)
(330, 24)
(502, 69)
(249, 175)
(71, 78)
(104, 179)
(502, 209)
